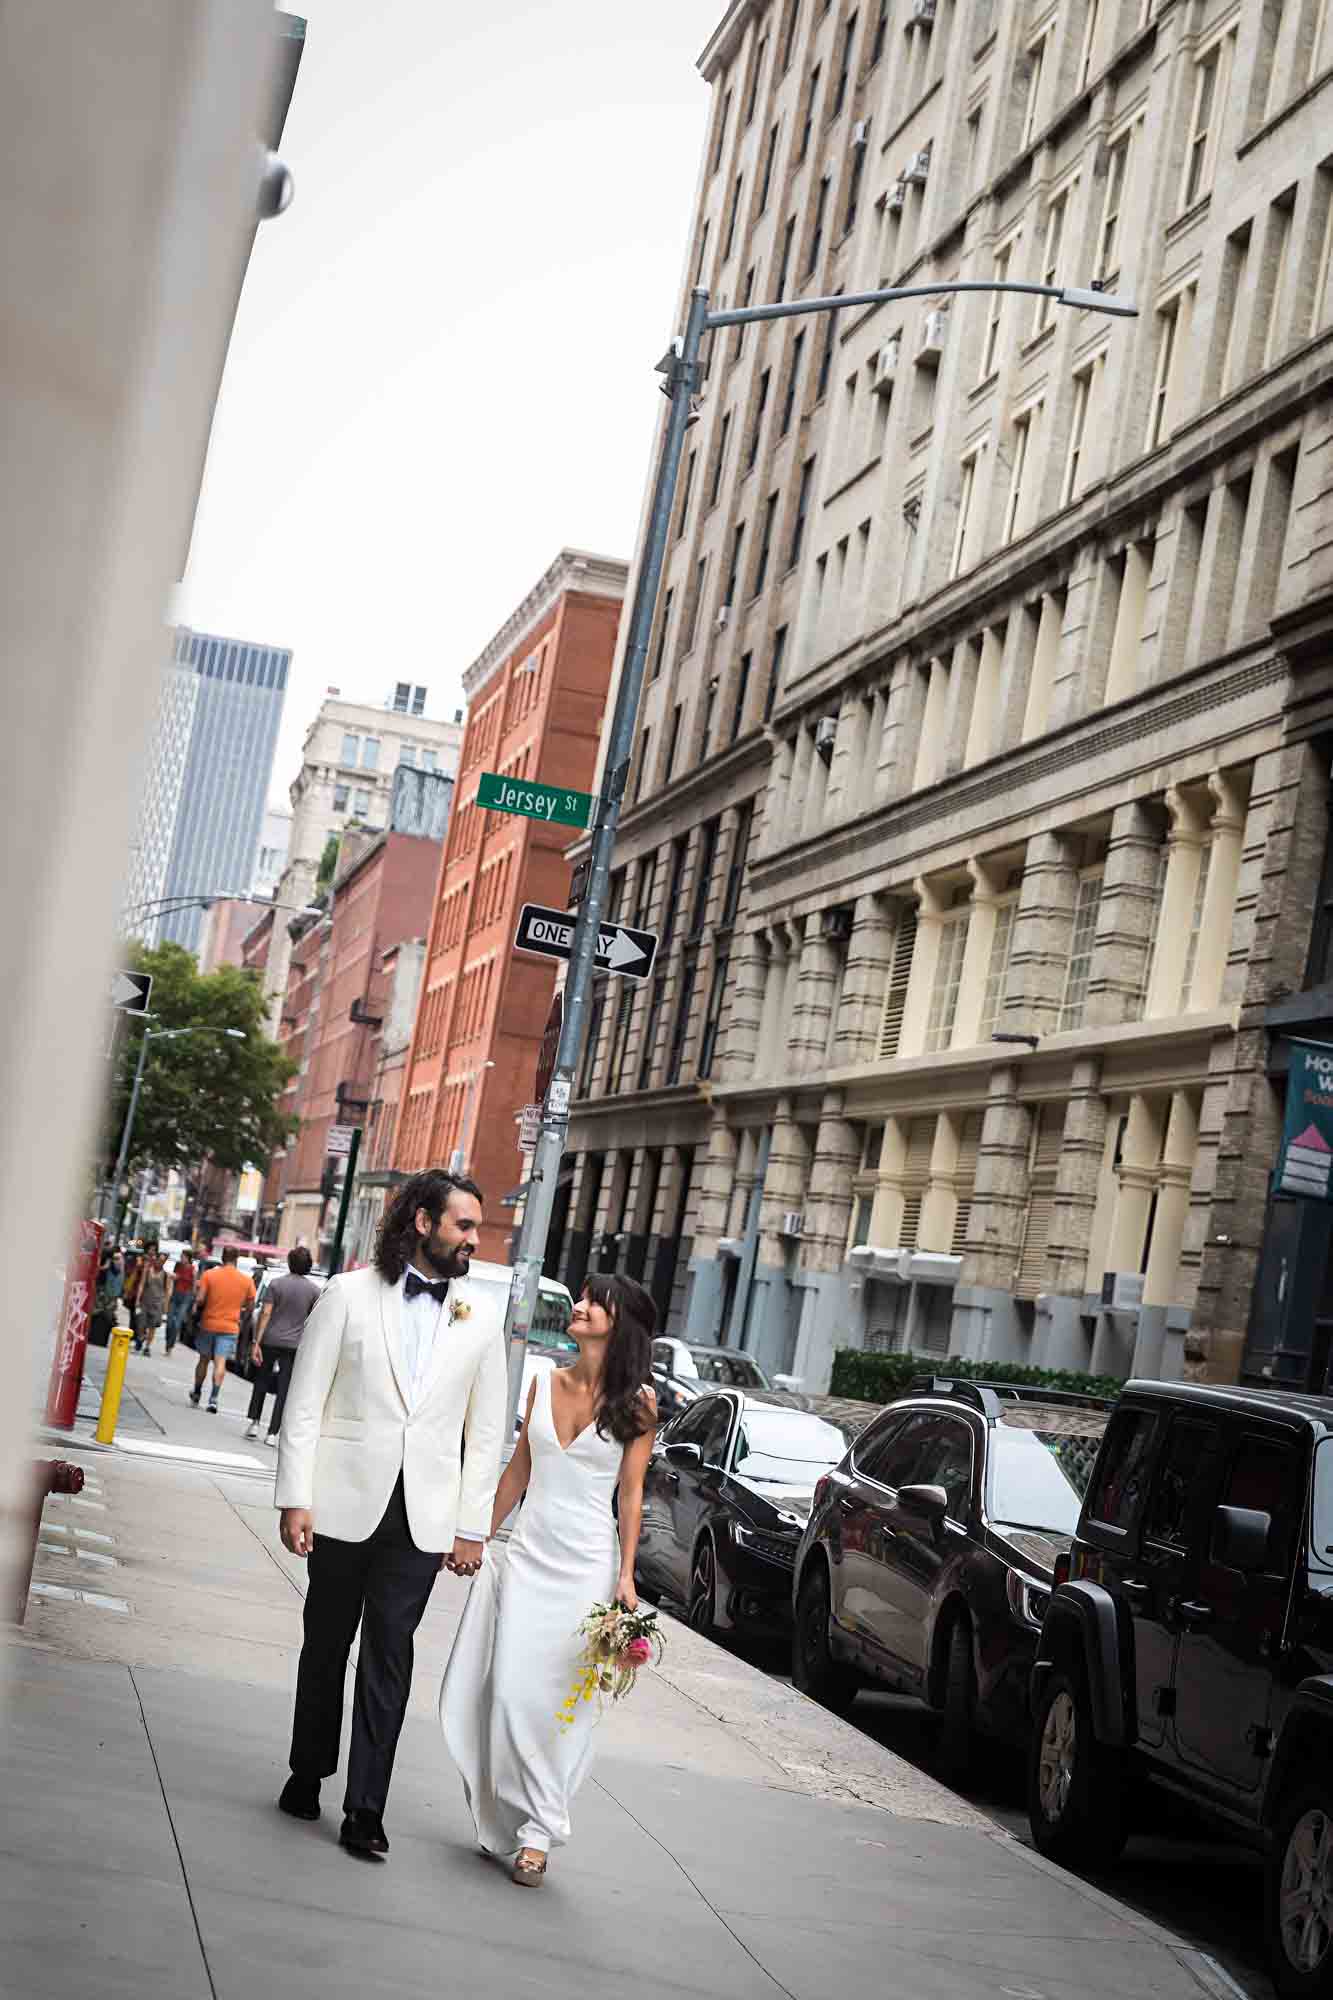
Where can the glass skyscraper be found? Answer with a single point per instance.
(207, 780)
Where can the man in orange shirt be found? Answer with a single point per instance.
(222, 1296)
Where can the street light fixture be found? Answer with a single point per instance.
(681, 367)
(127, 1130)
(168, 905)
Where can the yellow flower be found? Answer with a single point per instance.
(459, 1309)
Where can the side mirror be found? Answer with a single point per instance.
(930, 1503)
(687, 1456)
(1240, 1538)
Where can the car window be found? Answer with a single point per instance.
(713, 1443)
(1029, 1485)
(1266, 1475)
(1187, 1446)
(785, 1447)
(874, 1443)
(662, 1354)
(895, 1463)
(1119, 1484)
(692, 1427)
(1321, 1515)
(944, 1458)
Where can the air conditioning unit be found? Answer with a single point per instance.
(792, 1223)
(826, 735)
(860, 131)
(1122, 1291)
(835, 925)
(723, 614)
(917, 168)
(895, 197)
(886, 364)
(930, 345)
(921, 14)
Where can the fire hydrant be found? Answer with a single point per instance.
(49, 1475)
(118, 1355)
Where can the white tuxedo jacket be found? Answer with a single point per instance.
(348, 1428)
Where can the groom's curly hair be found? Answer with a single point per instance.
(397, 1242)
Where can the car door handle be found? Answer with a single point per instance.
(1192, 1614)
(1138, 1593)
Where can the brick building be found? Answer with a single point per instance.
(339, 981)
(535, 702)
(978, 907)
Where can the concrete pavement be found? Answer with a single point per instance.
(733, 1837)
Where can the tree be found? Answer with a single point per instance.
(203, 1096)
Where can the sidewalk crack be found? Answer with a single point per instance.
(166, 1807)
(699, 1892)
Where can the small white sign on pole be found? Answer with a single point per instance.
(339, 1142)
(529, 1126)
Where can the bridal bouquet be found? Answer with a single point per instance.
(618, 1643)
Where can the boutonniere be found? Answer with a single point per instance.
(458, 1308)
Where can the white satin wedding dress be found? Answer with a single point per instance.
(518, 1648)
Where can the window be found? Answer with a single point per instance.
(734, 572)
(615, 1068)
(948, 974)
(761, 404)
(784, 264)
(808, 126)
(945, 1459)
(351, 749)
(1117, 170)
(747, 294)
(710, 704)
(370, 753)
(702, 257)
(1121, 1477)
(1179, 1471)
(663, 634)
(671, 908)
(650, 1032)
(680, 1028)
(1032, 102)
(402, 694)
(686, 485)
(720, 135)
(789, 39)
(360, 802)
(990, 352)
(341, 794)
(673, 743)
(595, 1013)
(696, 602)
(765, 542)
(1159, 407)
(817, 233)
(766, 178)
(826, 355)
(742, 690)
(1015, 516)
(802, 509)
(1092, 11)
(881, 31)
(407, 754)
(1050, 263)
(756, 73)
(732, 212)
(775, 671)
(997, 970)
(719, 462)
(793, 377)
(647, 883)
(855, 178)
(731, 895)
(1266, 1477)
(895, 992)
(1209, 101)
(1043, 1164)
(429, 761)
(1081, 940)
(713, 1015)
(1078, 426)
(845, 67)
(1277, 258)
(967, 489)
(645, 741)
(703, 881)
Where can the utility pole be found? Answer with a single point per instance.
(681, 368)
(345, 1203)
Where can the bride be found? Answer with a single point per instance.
(518, 1649)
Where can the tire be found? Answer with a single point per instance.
(1076, 1785)
(957, 1752)
(1298, 1893)
(703, 1590)
(814, 1669)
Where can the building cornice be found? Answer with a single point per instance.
(721, 44)
(573, 569)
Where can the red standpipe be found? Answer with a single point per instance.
(76, 1308)
(49, 1475)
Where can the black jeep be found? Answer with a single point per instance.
(1191, 1647)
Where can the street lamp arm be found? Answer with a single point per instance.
(1065, 295)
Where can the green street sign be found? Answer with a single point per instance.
(534, 801)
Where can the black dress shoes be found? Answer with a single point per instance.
(300, 1798)
(363, 1833)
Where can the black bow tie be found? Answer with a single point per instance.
(413, 1286)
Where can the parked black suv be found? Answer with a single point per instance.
(930, 1553)
(1192, 1646)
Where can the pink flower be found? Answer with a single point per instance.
(638, 1652)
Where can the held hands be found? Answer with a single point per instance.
(626, 1594)
(297, 1527)
(464, 1559)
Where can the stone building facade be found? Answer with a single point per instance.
(1034, 812)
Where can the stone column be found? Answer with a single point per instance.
(816, 982)
(777, 799)
(862, 1004)
(784, 1185)
(715, 1184)
(976, 959)
(1076, 1181)
(1141, 1150)
(771, 1035)
(1184, 857)
(985, 717)
(939, 1209)
(793, 815)
(1079, 676)
(925, 959)
(930, 762)
(1161, 1286)
(840, 793)
(886, 1214)
(1219, 896)
(749, 968)
(1043, 925)
(828, 1196)
(962, 691)
(900, 738)
(999, 1202)
(1039, 694)
(1118, 978)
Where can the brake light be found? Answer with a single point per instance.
(1063, 1565)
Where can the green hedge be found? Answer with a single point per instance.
(878, 1378)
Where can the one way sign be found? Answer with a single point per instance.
(619, 949)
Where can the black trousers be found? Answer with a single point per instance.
(383, 1585)
(277, 1376)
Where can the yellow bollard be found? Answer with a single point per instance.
(117, 1357)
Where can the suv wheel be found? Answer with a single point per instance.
(957, 1742)
(813, 1667)
(1076, 1785)
(703, 1590)
(1298, 1916)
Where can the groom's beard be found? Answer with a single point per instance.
(445, 1263)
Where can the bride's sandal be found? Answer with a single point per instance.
(529, 1874)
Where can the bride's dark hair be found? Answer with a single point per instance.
(629, 1354)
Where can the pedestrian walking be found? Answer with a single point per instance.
(224, 1293)
(152, 1306)
(110, 1285)
(182, 1298)
(287, 1306)
(387, 1467)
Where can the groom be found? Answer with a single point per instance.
(400, 1375)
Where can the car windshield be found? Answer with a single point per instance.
(1321, 1517)
(1032, 1475)
(786, 1447)
(737, 1371)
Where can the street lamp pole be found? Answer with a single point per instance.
(127, 1129)
(681, 367)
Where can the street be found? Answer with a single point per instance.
(733, 1836)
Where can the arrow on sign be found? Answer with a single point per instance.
(621, 952)
(620, 948)
(130, 990)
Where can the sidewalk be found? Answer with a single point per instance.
(733, 1838)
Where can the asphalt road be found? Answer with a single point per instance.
(1206, 1891)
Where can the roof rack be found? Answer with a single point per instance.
(988, 1396)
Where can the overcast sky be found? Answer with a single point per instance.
(442, 366)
